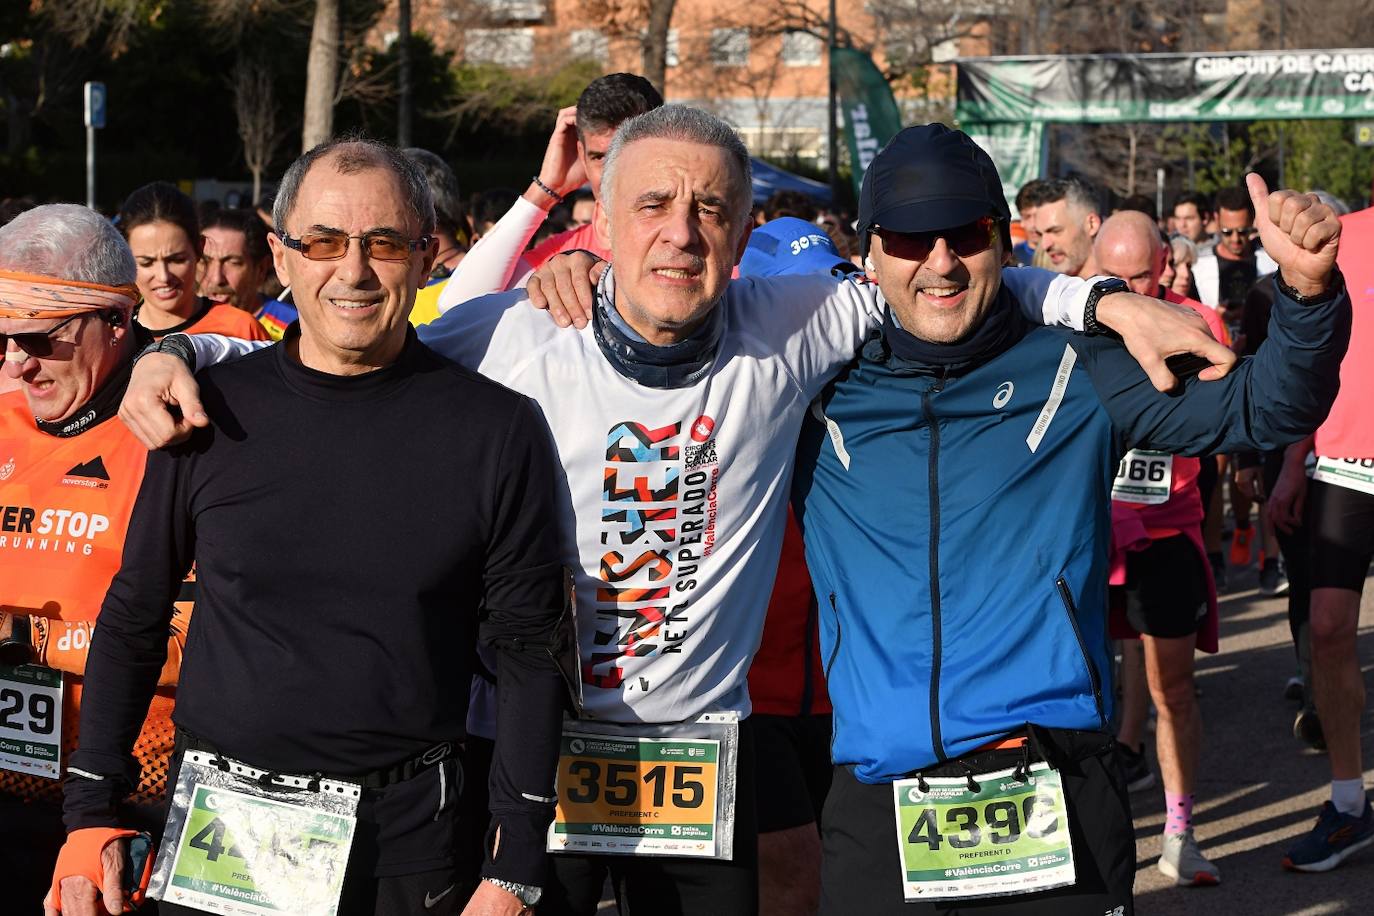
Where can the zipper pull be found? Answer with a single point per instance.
(940, 382)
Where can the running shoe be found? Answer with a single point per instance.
(1307, 728)
(1336, 838)
(1218, 571)
(1240, 546)
(1139, 776)
(1293, 689)
(1272, 581)
(1181, 860)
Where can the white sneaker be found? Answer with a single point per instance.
(1185, 863)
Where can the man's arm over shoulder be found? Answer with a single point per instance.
(1270, 400)
(65, 645)
(129, 647)
(524, 601)
(1046, 297)
(1282, 393)
(814, 322)
(213, 349)
(495, 335)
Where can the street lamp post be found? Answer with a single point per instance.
(831, 132)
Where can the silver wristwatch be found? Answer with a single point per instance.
(526, 894)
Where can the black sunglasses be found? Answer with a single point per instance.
(37, 343)
(965, 241)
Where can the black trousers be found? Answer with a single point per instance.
(667, 886)
(861, 871)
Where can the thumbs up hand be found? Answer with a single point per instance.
(1299, 232)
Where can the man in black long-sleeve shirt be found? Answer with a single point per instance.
(343, 584)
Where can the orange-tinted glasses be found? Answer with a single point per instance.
(965, 241)
(331, 246)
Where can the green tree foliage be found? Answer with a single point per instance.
(1323, 155)
(1319, 154)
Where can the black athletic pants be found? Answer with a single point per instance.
(861, 872)
(664, 885)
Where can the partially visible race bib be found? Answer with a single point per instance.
(1351, 473)
(1009, 837)
(664, 790)
(31, 720)
(1144, 477)
(233, 845)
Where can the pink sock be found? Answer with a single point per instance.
(1178, 810)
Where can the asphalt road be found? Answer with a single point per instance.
(1258, 789)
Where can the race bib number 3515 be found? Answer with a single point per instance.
(1009, 837)
(640, 794)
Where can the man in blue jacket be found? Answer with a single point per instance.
(955, 490)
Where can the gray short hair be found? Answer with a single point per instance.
(357, 154)
(1080, 195)
(692, 125)
(67, 241)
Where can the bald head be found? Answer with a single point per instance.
(1128, 246)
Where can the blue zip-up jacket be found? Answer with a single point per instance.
(957, 526)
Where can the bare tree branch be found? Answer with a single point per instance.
(255, 107)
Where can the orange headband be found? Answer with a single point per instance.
(36, 296)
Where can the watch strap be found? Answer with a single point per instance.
(525, 893)
(1099, 289)
(174, 345)
(1334, 284)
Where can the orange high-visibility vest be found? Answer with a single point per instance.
(64, 508)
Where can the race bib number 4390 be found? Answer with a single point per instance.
(31, 720)
(637, 795)
(1009, 837)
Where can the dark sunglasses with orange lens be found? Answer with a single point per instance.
(331, 246)
(965, 241)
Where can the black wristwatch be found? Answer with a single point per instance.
(1334, 285)
(177, 345)
(1101, 288)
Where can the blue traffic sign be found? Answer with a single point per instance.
(95, 104)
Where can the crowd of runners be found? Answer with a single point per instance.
(473, 556)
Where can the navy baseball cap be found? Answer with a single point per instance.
(929, 177)
(788, 245)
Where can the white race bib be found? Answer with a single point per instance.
(660, 790)
(1351, 473)
(31, 720)
(1011, 836)
(1144, 477)
(234, 845)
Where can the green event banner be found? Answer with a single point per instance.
(1016, 150)
(1113, 88)
(871, 117)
